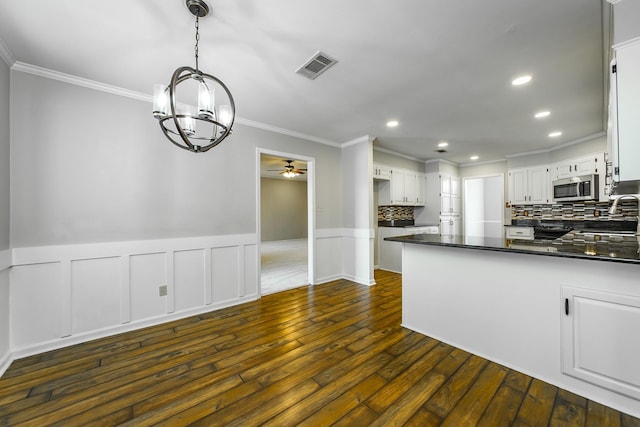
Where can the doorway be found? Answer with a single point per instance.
(285, 220)
(483, 206)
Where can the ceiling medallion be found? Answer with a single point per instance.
(197, 129)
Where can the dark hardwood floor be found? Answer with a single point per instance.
(333, 354)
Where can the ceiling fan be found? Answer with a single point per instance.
(289, 170)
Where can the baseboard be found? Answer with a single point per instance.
(327, 279)
(5, 259)
(5, 362)
(127, 327)
(360, 281)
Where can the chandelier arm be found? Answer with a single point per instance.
(175, 80)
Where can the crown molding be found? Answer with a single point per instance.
(6, 54)
(448, 162)
(488, 162)
(559, 147)
(288, 132)
(115, 90)
(364, 138)
(631, 42)
(393, 153)
(79, 81)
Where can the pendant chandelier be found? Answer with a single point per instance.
(197, 129)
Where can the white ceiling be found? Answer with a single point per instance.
(441, 68)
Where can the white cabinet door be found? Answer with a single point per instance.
(600, 342)
(397, 187)
(381, 172)
(529, 186)
(518, 187)
(410, 190)
(449, 195)
(538, 183)
(420, 189)
(628, 93)
(577, 167)
(449, 225)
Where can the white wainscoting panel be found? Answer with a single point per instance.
(329, 262)
(36, 304)
(251, 280)
(358, 255)
(95, 294)
(225, 273)
(63, 295)
(189, 279)
(148, 273)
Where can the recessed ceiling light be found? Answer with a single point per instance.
(555, 134)
(443, 144)
(541, 114)
(521, 80)
(392, 123)
(474, 157)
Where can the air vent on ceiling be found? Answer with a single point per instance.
(316, 65)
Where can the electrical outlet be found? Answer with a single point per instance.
(163, 290)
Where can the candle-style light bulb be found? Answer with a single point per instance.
(160, 101)
(206, 100)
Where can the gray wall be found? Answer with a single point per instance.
(283, 209)
(5, 326)
(626, 15)
(97, 168)
(397, 161)
(4, 156)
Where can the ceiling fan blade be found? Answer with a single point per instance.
(299, 171)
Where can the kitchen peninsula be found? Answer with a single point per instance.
(565, 312)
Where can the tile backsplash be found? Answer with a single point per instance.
(394, 213)
(592, 211)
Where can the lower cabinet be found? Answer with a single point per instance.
(449, 225)
(600, 341)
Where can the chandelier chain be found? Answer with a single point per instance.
(197, 40)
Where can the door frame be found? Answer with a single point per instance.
(311, 210)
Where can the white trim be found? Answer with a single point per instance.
(329, 233)
(6, 54)
(5, 259)
(426, 162)
(79, 81)
(359, 233)
(103, 333)
(44, 254)
(393, 153)
(92, 84)
(5, 362)
(558, 147)
(626, 43)
(311, 210)
(466, 165)
(287, 132)
(359, 140)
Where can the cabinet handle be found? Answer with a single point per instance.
(569, 168)
(566, 306)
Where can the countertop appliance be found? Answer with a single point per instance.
(576, 188)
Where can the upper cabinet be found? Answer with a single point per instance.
(449, 195)
(529, 185)
(625, 87)
(405, 188)
(590, 165)
(381, 172)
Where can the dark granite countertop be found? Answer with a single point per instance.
(572, 245)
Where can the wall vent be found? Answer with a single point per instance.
(316, 65)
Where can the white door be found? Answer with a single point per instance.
(483, 206)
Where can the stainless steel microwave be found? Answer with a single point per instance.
(576, 188)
